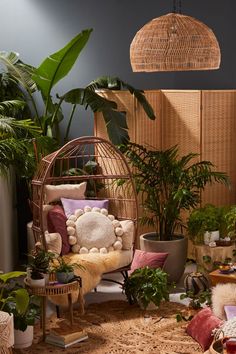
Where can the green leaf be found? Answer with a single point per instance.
(116, 125)
(179, 317)
(22, 300)
(115, 121)
(20, 72)
(57, 65)
(206, 259)
(11, 275)
(114, 83)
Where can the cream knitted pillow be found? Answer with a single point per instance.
(93, 230)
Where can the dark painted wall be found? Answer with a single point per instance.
(36, 28)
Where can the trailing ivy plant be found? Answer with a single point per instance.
(197, 300)
(146, 285)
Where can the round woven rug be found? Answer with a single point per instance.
(116, 327)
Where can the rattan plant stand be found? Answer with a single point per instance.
(56, 289)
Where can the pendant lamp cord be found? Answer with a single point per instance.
(174, 6)
(179, 7)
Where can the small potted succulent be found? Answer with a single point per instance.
(146, 286)
(64, 271)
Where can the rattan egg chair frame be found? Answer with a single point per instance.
(109, 177)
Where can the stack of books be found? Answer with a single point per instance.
(65, 335)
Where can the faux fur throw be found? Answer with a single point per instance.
(223, 294)
(94, 266)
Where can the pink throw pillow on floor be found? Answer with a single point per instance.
(56, 220)
(151, 259)
(201, 326)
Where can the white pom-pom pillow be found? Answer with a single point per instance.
(95, 231)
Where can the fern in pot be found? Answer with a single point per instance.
(204, 224)
(64, 271)
(146, 286)
(169, 185)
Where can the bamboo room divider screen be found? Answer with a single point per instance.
(201, 121)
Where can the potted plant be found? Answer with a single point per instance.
(168, 185)
(38, 267)
(64, 271)
(230, 220)
(145, 286)
(204, 224)
(15, 300)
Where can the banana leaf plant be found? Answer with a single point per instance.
(55, 67)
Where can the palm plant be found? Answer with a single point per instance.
(17, 139)
(169, 184)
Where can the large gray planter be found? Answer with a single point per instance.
(176, 249)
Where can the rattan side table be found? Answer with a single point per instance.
(56, 289)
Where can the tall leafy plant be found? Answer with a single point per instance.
(19, 128)
(169, 184)
(17, 139)
(55, 67)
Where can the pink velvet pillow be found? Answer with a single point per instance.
(201, 326)
(151, 259)
(56, 219)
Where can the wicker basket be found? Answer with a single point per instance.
(216, 348)
(174, 42)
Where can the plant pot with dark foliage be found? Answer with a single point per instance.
(16, 300)
(169, 185)
(64, 271)
(38, 267)
(145, 286)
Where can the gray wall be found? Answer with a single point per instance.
(36, 28)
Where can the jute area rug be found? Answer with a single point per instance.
(116, 327)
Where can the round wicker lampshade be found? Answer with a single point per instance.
(174, 42)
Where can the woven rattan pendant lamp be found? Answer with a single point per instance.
(174, 42)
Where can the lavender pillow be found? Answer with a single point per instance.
(70, 205)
